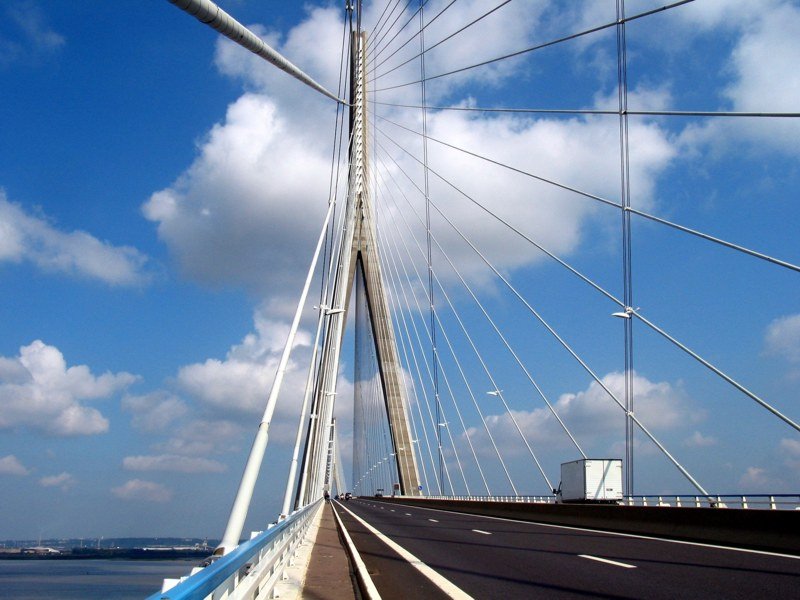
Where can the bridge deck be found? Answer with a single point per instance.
(488, 557)
(329, 575)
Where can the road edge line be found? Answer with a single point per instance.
(444, 584)
(362, 574)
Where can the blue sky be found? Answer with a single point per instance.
(160, 192)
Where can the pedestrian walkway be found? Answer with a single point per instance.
(329, 575)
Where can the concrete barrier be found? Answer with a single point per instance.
(771, 530)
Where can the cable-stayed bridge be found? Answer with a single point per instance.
(455, 241)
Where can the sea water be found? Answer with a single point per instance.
(73, 579)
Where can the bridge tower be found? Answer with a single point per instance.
(358, 258)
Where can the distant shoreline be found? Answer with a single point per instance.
(113, 554)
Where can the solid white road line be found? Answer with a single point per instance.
(371, 591)
(481, 531)
(610, 562)
(443, 584)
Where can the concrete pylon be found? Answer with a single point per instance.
(365, 263)
(359, 257)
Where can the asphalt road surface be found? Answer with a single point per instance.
(500, 558)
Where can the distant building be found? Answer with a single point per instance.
(39, 550)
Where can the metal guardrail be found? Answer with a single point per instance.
(529, 499)
(751, 501)
(249, 571)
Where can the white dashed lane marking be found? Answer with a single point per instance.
(609, 562)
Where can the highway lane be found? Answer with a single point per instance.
(496, 558)
(392, 575)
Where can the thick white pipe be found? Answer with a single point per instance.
(287, 497)
(209, 13)
(241, 504)
(337, 464)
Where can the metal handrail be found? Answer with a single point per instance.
(218, 573)
(743, 501)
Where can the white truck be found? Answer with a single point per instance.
(591, 480)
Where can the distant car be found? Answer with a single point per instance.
(348, 495)
(379, 494)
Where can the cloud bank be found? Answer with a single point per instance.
(40, 392)
(27, 238)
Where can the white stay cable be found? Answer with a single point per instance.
(244, 494)
(682, 228)
(395, 310)
(502, 337)
(569, 349)
(443, 370)
(212, 15)
(483, 364)
(417, 383)
(494, 383)
(287, 496)
(327, 292)
(445, 425)
(420, 379)
(452, 351)
(563, 343)
(747, 392)
(444, 375)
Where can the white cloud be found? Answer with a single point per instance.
(722, 13)
(790, 449)
(32, 22)
(659, 405)
(10, 465)
(757, 480)
(155, 411)
(201, 437)
(222, 397)
(32, 37)
(140, 490)
(764, 77)
(698, 440)
(782, 338)
(507, 30)
(223, 400)
(577, 151)
(592, 416)
(39, 391)
(247, 210)
(64, 481)
(26, 238)
(173, 463)
(776, 478)
(243, 380)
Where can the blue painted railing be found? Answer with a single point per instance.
(207, 581)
